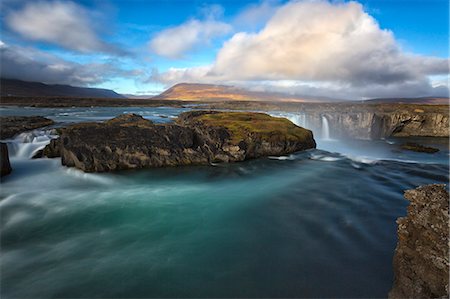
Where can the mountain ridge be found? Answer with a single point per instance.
(20, 88)
(212, 92)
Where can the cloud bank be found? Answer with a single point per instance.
(33, 65)
(317, 44)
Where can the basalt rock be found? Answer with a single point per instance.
(51, 150)
(237, 136)
(415, 147)
(5, 166)
(421, 260)
(129, 141)
(13, 125)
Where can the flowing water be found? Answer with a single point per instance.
(325, 128)
(319, 223)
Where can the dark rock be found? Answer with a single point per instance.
(421, 260)
(415, 147)
(38, 155)
(237, 136)
(51, 150)
(129, 141)
(13, 125)
(4, 160)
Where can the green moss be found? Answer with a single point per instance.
(243, 124)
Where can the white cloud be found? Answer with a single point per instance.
(318, 43)
(256, 15)
(176, 41)
(63, 23)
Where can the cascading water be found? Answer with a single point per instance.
(298, 119)
(27, 144)
(325, 128)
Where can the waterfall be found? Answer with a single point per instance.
(298, 119)
(325, 128)
(25, 145)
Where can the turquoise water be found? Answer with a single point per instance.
(320, 223)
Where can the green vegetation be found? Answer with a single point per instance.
(243, 124)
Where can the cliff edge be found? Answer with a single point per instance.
(421, 260)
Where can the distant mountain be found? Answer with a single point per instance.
(18, 88)
(138, 96)
(199, 92)
(422, 100)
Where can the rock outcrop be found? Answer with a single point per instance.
(415, 147)
(237, 136)
(13, 125)
(421, 261)
(129, 141)
(5, 166)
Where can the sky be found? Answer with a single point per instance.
(335, 49)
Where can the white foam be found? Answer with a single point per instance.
(97, 178)
(325, 158)
(363, 159)
(281, 158)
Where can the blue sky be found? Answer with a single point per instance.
(313, 48)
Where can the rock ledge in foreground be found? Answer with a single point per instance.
(200, 137)
(421, 260)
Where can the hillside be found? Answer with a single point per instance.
(210, 92)
(18, 88)
(421, 100)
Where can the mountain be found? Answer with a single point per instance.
(18, 88)
(421, 100)
(198, 92)
(138, 96)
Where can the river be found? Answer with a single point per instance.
(319, 223)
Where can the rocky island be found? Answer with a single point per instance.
(198, 137)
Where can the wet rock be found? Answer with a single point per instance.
(421, 260)
(129, 141)
(13, 125)
(5, 166)
(51, 150)
(415, 147)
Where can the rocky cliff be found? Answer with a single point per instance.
(376, 125)
(366, 122)
(129, 141)
(421, 261)
(5, 166)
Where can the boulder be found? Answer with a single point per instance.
(4, 160)
(51, 150)
(129, 141)
(13, 125)
(421, 260)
